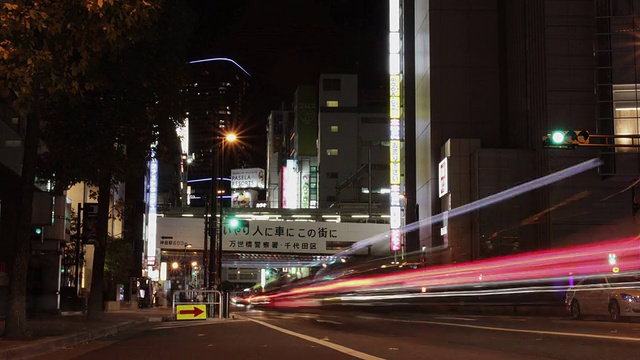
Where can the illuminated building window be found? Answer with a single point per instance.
(625, 118)
(334, 128)
(332, 103)
(332, 152)
(331, 84)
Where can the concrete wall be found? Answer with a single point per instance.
(357, 133)
(507, 73)
(456, 88)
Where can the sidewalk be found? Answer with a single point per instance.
(54, 332)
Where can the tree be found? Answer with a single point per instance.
(117, 264)
(72, 254)
(107, 136)
(47, 49)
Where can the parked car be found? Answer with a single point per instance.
(617, 296)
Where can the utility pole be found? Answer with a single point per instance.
(212, 220)
(206, 237)
(76, 278)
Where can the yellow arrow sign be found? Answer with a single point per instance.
(191, 312)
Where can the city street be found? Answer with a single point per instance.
(303, 335)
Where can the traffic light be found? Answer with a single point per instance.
(37, 233)
(613, 259)
(236, 226)
(565, 139)
(233, 223)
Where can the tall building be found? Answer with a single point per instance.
(333, 149)
(215, 100)
(481, 82)
(279, 123)
(352, 147)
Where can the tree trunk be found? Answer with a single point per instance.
(95, 308)
(16, 326)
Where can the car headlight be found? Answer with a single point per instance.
(629, 298)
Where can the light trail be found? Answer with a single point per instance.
(576, 261)
(220, 59)
(489, 200)
(584, 259)
(207, 179)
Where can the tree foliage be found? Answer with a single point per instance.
(48, 46)
(106, 134)
(117, 264)
(59, 57)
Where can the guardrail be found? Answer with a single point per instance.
(213, 299)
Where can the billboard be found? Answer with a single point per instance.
(306, 120)
(296, 236)
(443, 182)
(244, 199)
(252, 178)
(290, 185)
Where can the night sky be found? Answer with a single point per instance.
(283, 43)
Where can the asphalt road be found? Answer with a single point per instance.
(341, 335)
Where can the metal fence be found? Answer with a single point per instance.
(213, 299)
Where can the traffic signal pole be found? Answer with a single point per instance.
(606, 144)
(212, 221)
(78, 243)
(568, 139)
(205, 264)
(220, 172)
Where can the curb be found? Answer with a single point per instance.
(45, 346)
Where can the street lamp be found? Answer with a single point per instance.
(216, 196)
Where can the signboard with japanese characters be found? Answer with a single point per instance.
(179, 232)
(443, 182)
(256, 236)
(294, 236)
(247, 178)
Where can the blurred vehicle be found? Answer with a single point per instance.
(617, 296)
(240, 301)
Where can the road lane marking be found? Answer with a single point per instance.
(342, 349)
(454, 318)
(493, 328)
(177, 325)
(329, 321)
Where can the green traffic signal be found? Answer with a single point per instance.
(557, 137)
(37, 233)
(233, 223)
(565, 139)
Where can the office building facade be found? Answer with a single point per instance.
(489, 79)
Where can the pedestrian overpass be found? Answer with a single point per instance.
(253, 244)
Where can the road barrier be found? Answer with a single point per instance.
(212, 299)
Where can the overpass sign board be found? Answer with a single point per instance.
(297, 237)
